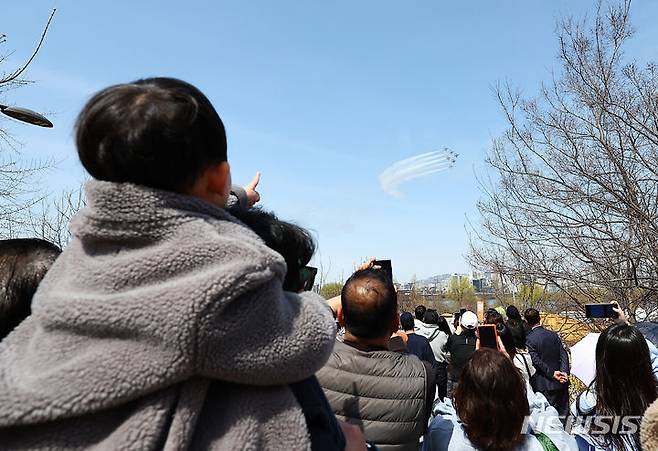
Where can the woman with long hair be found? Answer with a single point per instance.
(623, 387)
(512, 336)
(521, 357)
(492, 411)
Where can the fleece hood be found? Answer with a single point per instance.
(155, 289)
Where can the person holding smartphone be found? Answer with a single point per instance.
(367, 383)
(492, 411)
(460, 348)
(624, 386)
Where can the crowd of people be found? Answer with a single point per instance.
(177, 318)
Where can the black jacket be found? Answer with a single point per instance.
(548, 355)
(461, 347)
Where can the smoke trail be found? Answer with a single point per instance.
(414, 167)
(410, 165)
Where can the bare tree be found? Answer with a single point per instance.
(321, 277)
(50, 219)
(572, 198)
(15, 76)
(19, 190)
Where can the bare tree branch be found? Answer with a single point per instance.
(18, 72)
(572, 204)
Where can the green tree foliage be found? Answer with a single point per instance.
(460, 289)
(530, 294)
(331, 290)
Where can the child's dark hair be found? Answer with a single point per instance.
(294, 243)
(157, 132)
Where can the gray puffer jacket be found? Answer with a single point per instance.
(137, 337)
(386, 393)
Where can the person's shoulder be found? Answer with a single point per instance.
(420, 338)
(554, 336)
(223, 226)
(445, 423)
(340, 347)
(382, 363)
(445, 430)
(539, 331)
(586, 402)
(410, 362)
(223, 240)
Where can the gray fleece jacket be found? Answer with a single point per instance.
(137, 338)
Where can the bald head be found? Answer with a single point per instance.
(369, 304)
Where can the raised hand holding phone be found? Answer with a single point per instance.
(384, 265)
(487, 334)
(501, 346)
(606, 310)
(621, 315)
(372, 262)
(367, 264)
(487, 337)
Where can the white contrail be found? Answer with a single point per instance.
(403, 173)
(406, 163)
(413, 168)
(417, 166)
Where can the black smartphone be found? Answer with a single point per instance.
(386, 266)
(600, 311)
(307, 274)
(488, 336)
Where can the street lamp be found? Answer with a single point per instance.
(25, 115)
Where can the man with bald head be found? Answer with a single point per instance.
(388, 394)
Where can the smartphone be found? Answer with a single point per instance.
(308, 274)
(600, 311)
(461, 311)
(386, 266)
(488, 336)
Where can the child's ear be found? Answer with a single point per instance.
(219, 182)
(214, 185)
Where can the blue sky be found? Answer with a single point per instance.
(319, 96)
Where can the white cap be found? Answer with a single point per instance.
(468, 320)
